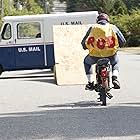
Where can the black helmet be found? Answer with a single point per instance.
(102, 16)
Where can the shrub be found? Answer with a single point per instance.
(130, 26)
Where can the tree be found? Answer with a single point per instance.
(108, 6)
(42, 4)
(129, 24)
(119, 8)
(29, 7)
(132, 4)
(8, 7)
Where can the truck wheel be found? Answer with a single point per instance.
(1, 69)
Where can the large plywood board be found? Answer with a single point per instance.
(69, 54)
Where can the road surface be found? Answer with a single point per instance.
(32, 106)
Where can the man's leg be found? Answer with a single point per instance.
(114, 60)
(88, 62)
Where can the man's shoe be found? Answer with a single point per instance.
(89, 86)
(115, 82)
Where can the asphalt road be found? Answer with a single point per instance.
(33, 107)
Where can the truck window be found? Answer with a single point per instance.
(29, 30)
(6, 33)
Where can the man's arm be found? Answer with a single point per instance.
(85, 37)
(120, 36)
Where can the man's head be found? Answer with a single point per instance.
(102, 16)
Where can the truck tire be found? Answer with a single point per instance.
(1, 69)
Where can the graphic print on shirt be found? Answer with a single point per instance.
(102, 41)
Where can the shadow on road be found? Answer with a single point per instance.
(39, 72)
(50, 80)
(74, 123)
(31, 76)
(41, 76)
(76, 104)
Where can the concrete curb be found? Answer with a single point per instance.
(135, 50)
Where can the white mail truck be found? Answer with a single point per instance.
(26, 42)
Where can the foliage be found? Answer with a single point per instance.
(108, 6)
(130, 25)
(119, 8)
(86, 5)
(29, 7)
(41, 3)
(132, 4)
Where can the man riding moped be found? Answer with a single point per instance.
(102, 40)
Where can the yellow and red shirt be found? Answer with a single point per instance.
(102, 41)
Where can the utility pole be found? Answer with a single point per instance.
(46, 4)
(9, 6)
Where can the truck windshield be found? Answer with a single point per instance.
(6, 33)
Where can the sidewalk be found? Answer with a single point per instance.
(135, 50)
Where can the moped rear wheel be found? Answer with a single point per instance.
(103, 96)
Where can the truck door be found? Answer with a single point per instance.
(30, 45)
(7, 53)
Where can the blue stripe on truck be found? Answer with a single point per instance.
(26, 57)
